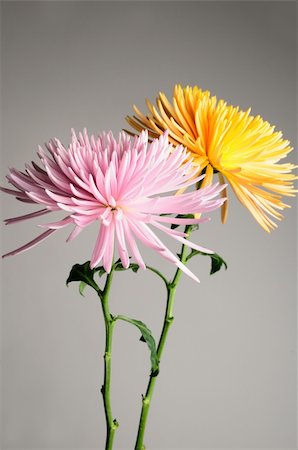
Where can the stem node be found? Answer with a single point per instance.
(107, 356)
(146, 401)
(115, 424)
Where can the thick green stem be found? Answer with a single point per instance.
(168, 320)
(111, 423)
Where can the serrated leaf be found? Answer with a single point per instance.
(148, 338)
(216, 261)
(82, 273)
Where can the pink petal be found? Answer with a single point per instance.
(41, 212)
(181, 221)
(192, 245)
(59, 224)
(30, 244)
(167, 230)
(18, 194)
(121, 243)
(100, 247)
(75, 232)
(133, 246)
(109, 248)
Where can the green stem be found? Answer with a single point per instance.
(111, 423)
(168, 320)
(157, 272)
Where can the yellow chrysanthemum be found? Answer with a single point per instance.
(243, 149)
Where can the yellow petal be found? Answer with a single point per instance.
(224, 193)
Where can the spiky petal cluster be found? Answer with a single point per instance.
(118, 185)
(243, 149)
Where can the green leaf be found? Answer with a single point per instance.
(119, 267)
(216, 261)
(148, 338)
(193, 227)
(100, 270)
(84, 274)
(82, 287)
(134, 267)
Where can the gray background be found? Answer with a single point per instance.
(228, 376)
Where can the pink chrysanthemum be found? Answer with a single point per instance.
(116, 184)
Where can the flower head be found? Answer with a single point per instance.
(116, 183)
(243, 149)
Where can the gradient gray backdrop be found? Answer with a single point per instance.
(228, 376)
